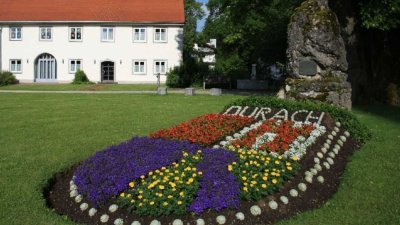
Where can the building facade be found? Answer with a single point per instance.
(133, 44)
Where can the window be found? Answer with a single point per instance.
(16, 65)
(46, 34)
(139, 34)
(75, 65)
(160, 67)
(75, 33)
(107, 34)
(139, 67)
(15, 33)
(160, 35)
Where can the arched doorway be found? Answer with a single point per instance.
(107, 71)
(45, 68)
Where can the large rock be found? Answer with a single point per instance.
(316, 54)
(314, 35)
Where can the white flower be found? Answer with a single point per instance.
(273, 205)
(334, 133)
(255, 210)
(337, 146)
(84, 206)
(313, 171)
(237, 135)
(316, 160)
(216, 146)
(78, 198)
(240, 216)
(302, 187)
(327, 166)
(177, 222)
(336, 151)
(118, 221)
(229, 138)
(284, 199)
(317, 167)
(320, 179)
(340, 142)
(308, 173)
(71, 182)
(73, 193)
(200, 222)
(328, 141)
(73, 187)
(320, 155)
(330, 160)
(324, 150)
(330, 137)
(104, 218)
(338, 124)
(221, 219)
(294, 193)
(326, 145)
(332, 155)
(113, 208)
(347, 134)
(155, 222)
(309, 179)
(135, 223)
(223, 143)
(92, 212)
(336, 129)
(343, 138)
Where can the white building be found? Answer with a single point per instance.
(207, 52)
(112, 41)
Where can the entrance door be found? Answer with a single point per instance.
(46, 68)
(107, 71)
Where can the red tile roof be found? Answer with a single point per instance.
(139, 11)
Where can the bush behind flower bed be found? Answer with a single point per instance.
(359, 131)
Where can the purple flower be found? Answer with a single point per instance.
(218, 187)
(108, 172)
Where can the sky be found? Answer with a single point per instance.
(200, 23)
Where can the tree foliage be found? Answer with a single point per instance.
(380, 14)
(248, 32)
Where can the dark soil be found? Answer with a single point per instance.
(57, 194)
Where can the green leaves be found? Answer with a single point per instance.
(380, 14)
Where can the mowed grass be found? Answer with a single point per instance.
(82, 87)
(41, 134)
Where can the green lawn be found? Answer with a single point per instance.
(41, 134)
(82, 87)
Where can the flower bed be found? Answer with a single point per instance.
(169, 174)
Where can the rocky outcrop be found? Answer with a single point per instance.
(316, 54)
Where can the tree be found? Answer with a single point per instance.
(380, 14)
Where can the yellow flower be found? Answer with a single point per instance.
(165, 203)
(140, 204)
(245, 189)
(172, 184)
(200, 173)
(182, 193)
(277, 162)
(131, 184)
(244, 178)
(150, 173)
(139, 197)
(179, 202)
(194, 175)
(290, 168)
(152, 203)
(163, 168)
(161, 187)
(183, 160)
(190, 180)
(140, 192)
(129, 195)
(132, 201)
(264, 186)
(142, 177)
(170, 196)
(274, 181)
(230, 168)
(253, 182)
(280, 157)
(173, 189)
(295, 158)
(122, 194)
(176, 178)
(265, 178)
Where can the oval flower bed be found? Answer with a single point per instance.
(214, 169)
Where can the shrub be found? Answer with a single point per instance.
(81, 78)
(359, 131)
(7, 78)
(173, 77)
